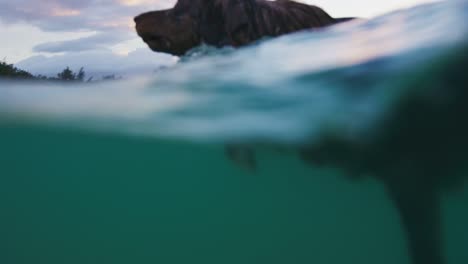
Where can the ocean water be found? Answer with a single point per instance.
(307, 148)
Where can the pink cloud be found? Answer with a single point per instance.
(78, 15)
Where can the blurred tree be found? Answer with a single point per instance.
(10, 71)
(108, 77)
(67, 75)
(80, 76)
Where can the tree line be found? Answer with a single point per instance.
(9, 71)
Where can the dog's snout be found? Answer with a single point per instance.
(137, 19)
(142, 26)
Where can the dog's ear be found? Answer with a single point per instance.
(223, 22)
(190, 7)
(182, 4)
(239, 22)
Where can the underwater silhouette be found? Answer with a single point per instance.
(418, 152)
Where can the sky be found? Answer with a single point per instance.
(46, 36)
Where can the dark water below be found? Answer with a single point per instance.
(323, 126)
(70, 197)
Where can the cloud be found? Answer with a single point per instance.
(111, 21)
(97, 41)
(99, 62)
(78, 15)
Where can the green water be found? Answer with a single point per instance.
(77, 197)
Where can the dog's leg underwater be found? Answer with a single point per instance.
(419, 210)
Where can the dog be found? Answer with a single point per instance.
(226, 23)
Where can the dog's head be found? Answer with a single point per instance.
(215, 22)
(171, 31)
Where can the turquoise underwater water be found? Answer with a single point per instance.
(139, 171)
